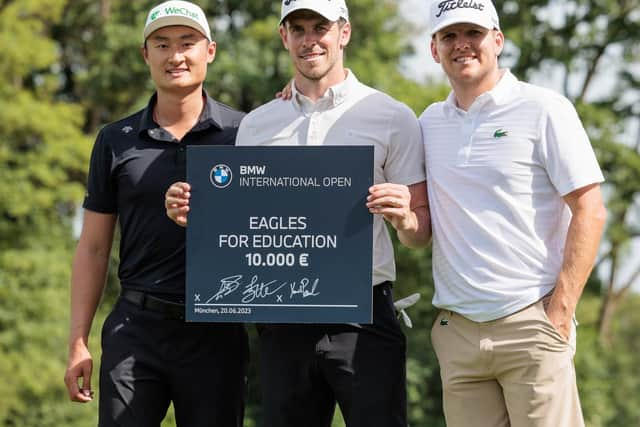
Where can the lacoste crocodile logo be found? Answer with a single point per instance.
(499, 133)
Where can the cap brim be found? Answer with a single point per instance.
(460, 20)
(169, 21)
(331, 17)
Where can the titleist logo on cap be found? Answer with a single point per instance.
(458, 4)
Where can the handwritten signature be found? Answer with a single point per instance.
(305, 288)
(258, 289)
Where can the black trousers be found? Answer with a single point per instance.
(306, 369)
(149, 361)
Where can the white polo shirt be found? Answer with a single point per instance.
(496, 176)
(349, 113)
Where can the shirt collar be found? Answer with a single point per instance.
(502, 92)
(210, 116)
(334, 96)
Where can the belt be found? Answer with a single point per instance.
(169, 309)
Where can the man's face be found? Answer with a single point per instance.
(315, 45)
(177, 57)
(468, 53)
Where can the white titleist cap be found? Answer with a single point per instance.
(176, 12)
(448, 12)
(330, 9)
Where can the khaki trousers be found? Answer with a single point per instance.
(516, 371)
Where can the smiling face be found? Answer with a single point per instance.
(468, 54)
(177, 57)
(316, 47)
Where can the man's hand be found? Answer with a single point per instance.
(406, 208)
(176, 201)
(559, 316)
(287, 92)
(393, 201)
(79, 366)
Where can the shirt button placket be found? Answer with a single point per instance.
(466, 130)
(312, 134)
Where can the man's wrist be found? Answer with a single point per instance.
(78, 342)
(560, 302)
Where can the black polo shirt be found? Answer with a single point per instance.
(133, 163)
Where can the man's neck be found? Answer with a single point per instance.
(315, 89)
(466, 94)
(178, 112)
(174, 108)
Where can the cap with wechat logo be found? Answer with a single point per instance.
(176, 12)
(330, 9)
(448, 12)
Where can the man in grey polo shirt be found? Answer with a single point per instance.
(517, 217)
(305, 369)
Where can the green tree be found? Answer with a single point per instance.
(43, 155)
(608, 375)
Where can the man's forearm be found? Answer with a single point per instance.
(87, 286)
(421, 236)
(583, 239)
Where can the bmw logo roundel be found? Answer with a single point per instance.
(220, 176)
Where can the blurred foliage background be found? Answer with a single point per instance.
(69, 67)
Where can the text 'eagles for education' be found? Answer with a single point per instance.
(267, 241)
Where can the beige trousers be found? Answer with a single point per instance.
(516, 371)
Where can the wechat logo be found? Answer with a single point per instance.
(154, 15)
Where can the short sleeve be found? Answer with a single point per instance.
(405, 163)
(101, 192)
(566, 150)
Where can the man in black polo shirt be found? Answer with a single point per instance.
(151, 357)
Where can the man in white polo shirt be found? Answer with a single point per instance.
(306, 368)
(517, 217)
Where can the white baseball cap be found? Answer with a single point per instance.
(448, 12)
(330, 9)
(176, 12)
